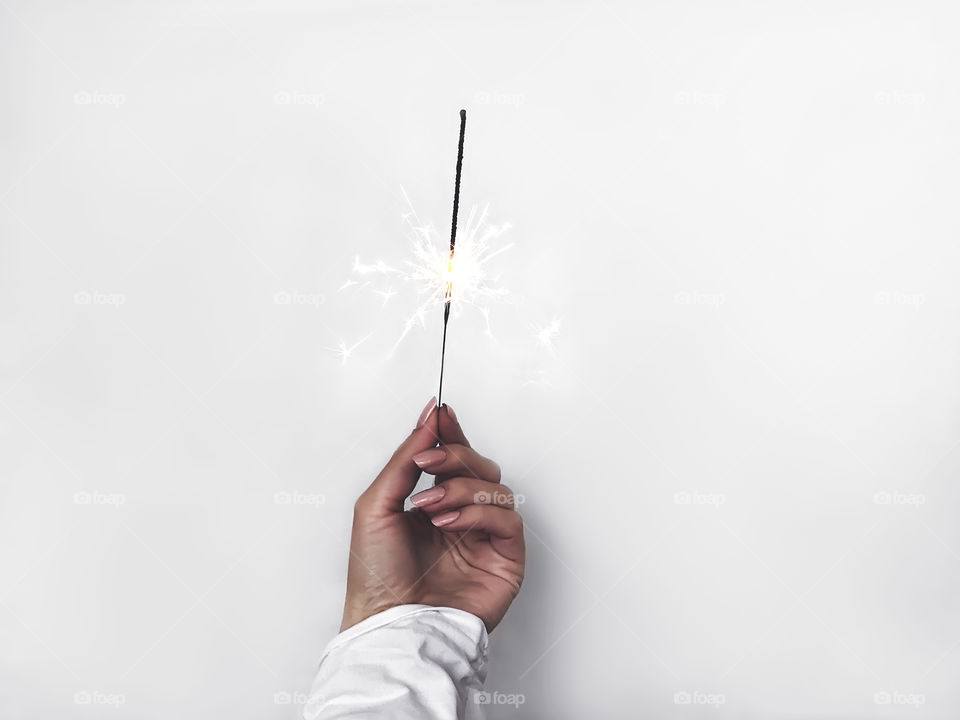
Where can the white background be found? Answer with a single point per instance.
(738, 456)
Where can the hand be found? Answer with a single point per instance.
(460, 546)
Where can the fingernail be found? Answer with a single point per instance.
(424, 416)
(445, 519)
(451, 413)
(429, 457)
(428, 496)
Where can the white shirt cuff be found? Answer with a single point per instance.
(412, 661)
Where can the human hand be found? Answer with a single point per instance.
(460, 546)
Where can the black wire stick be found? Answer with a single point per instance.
(453, 243)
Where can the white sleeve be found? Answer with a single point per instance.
(415, 662)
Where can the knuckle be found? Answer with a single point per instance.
(453, 486)
(462, 457)
(361, 505)
(455, 450)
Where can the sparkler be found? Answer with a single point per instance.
(448, 296)
(431, 270)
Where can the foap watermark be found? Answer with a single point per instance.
(285, 697)
(105, 99)
(485, 97)
(687, 497)
(95, 297)
(297, 98)
(898, 298)
(96, 697)
(297, 299)
(698, 98)
(895, 697)
(294, 497)
(886, 497)
(499, 498)
(485, 697)
(97, 498)
(698, 697)
(685, 297)
(898, 97)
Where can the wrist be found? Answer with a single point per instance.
(357, 613)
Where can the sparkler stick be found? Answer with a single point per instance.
(448, 297)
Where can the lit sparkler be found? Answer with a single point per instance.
(432, 270)
(434, 273)
(448, 296)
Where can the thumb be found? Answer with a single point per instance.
(399, 476)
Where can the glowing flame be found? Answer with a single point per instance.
(463, 280)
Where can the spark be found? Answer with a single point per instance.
(386, 295)
(467, 278)
(344, 351)
(545, 335)
(427, 273)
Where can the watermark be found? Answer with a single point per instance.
(685, 297)
(294, 497)
(284, 697)
(895, 297)
(282, 297)
(896, 97)
(697, 98)
(697, 498)
(498, 498)
(296, 98)
(485, 97)
(895, 697)
(85, 97)
(885, 497)
(96, 697)
(95, 497)
(697, 697)
(95, 297)
(484, 697)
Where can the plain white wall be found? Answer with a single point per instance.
(736, 459)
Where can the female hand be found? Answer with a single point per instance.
(460, 546)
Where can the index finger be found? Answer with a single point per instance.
(449, 427)
(456, 459)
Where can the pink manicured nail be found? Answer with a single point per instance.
(428, 496)
(445, 519)
(429, 457)
(451, 413)
(427, 411)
